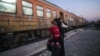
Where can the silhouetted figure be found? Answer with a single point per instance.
(59, 24)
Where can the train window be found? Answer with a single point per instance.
(27, 11)
(71, 19)
(48, 13)
(27, 4)
(8, 6)
(11, 1)
(40, 11)
(54, 14)
(27, 8)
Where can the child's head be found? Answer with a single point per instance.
(53, 23)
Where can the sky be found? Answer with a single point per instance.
(89, 9)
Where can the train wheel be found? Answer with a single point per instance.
(7, 43)
(20, 39)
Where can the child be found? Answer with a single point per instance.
(54, 29)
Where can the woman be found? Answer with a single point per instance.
(59, 22)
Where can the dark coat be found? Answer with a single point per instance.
(59, 23)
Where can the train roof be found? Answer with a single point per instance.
(47, 2)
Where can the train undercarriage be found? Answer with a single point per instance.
(15, 39)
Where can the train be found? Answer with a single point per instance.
(27, 20)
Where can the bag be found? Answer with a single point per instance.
(51, 44)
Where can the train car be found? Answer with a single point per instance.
(75, 21)
(27, 20)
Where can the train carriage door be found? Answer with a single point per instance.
(61, 15)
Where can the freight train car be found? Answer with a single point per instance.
(27, 20)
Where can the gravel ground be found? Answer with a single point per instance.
(84, 43)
